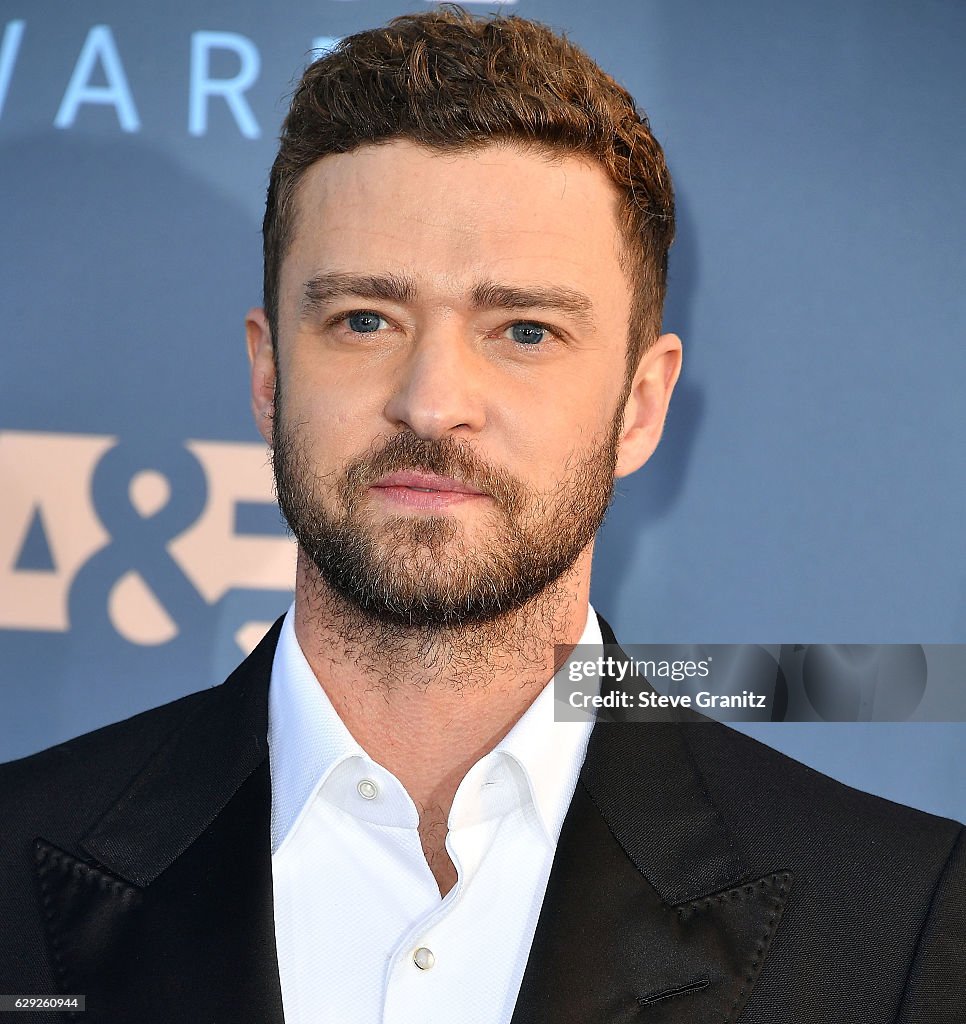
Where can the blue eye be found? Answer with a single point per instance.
(363, 322)
(526, 332)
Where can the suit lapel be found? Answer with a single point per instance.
(651, 912)
(172, 918)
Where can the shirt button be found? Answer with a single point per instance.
(423, 958)
(367, 789)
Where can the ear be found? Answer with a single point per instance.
(261, 355)
(647, 403)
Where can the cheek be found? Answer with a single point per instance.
(336, 433)
(547, 428)
(576, 423)
(322, 402)
(339, 429)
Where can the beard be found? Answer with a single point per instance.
(421, 571)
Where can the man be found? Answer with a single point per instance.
(376, 817)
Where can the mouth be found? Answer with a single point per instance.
(425, 490)
(428, 483)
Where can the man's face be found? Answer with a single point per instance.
(445, 439)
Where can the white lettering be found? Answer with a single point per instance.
(746, 699)
(99, 46)
(601, 700)
(9, 48)
(230, 89)
(647, 699)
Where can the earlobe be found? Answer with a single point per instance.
(261, 355)
(646, 408)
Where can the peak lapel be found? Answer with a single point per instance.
(651, 913)
(172, 918)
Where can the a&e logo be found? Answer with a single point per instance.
(158, 543)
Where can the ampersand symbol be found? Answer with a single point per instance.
(145, 496)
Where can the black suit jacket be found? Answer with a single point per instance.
(700, 876)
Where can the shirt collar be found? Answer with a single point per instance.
(549, 752)
(307, 740)
(306, 737)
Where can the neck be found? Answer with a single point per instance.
(427, 703)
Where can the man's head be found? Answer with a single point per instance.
(449, 281)
(452, 82)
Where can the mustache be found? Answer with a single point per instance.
(445, 456)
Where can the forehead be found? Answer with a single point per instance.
(500, 210)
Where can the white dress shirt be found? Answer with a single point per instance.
(362, 932)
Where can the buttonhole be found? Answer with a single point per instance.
(678, 990)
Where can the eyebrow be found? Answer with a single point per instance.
(323, 288)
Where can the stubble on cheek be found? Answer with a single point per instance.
(437, 571)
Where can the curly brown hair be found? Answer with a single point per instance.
(450, 80)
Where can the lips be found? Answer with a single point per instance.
(426, 483)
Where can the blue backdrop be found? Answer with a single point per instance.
(809, 485)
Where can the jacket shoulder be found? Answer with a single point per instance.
(873, 882)
(59, 793)
(770, 798)
(59, 790)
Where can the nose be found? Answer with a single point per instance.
(439, 388)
